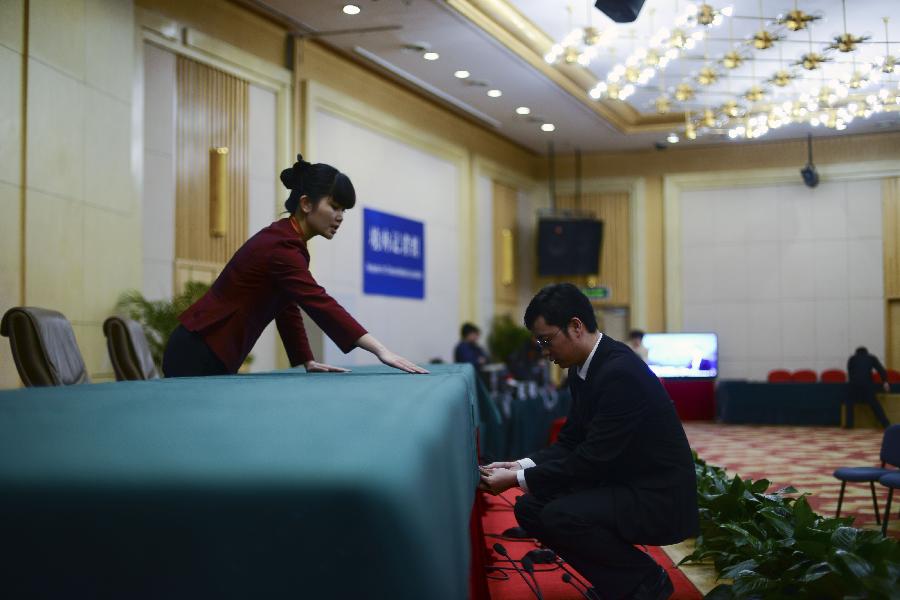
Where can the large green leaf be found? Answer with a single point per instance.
(845, 537)
(732, 572)
(759, 486)
(720, 592)
(778, 521)
(816, 571)
(751, 584)
(856, 565)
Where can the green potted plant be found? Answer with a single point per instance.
(159, 318)
(506, 337)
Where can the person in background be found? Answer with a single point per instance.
(468, 350)
(621, 472)
(268, 279)
(636, 343)
(862, 388)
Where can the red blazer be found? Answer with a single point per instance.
(268, 278)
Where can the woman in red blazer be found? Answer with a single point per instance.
(268, 278)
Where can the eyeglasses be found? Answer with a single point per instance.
(544, 343)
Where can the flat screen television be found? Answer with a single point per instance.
(681, 355)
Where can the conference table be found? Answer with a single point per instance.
(282, 484)
(761, 403)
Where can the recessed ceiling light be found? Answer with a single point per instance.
(548, 127)
(494, 93)
(351, 9)
(431, 56)
(523, 110)
(461, 74)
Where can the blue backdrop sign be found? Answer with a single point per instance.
(393, 255)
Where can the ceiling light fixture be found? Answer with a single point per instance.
(463, 74)
(431, 56)
(351, 9)
(642, 65)
(548, 127)
(494, 93)
(523, 110)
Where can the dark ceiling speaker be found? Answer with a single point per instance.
(809, 173)
(568, 246)
(620, 11)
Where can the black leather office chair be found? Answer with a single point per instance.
(128, 350)
(43, 347)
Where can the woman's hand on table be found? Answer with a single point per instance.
(369, 343)
(398, 362)
(317, 367)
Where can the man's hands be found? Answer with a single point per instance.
(317, 367)
(497, 480)
(512, 466)
(887, 387)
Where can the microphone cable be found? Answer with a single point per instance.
(502, 551)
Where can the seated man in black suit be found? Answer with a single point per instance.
(621, 472)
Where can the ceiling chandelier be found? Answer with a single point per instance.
(829, 84)
(665, 45)
(581, 44)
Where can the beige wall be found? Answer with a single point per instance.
(651, 166)
(67, 165)
(11, 42)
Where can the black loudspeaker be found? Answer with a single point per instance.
(569, 246)
(620, 11)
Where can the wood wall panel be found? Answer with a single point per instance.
(212, 112)
(891, 237)
(613, 208)
(505, 207)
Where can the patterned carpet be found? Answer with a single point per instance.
(804, 457)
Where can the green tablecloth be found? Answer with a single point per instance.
(282, 484)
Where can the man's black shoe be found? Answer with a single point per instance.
(655, 587)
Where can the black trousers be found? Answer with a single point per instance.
(187, 355)
(865, 394)
(581, 528)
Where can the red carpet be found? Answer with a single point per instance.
(508, 585)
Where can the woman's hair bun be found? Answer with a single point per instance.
(291, 178)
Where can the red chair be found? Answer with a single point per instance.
(893, 376)
(804, 376)
(555, 427)
(779, 376)
(833, 376)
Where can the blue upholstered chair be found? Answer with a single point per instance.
(890, 455)
(892, 482)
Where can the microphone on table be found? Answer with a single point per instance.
(528, 565)
(567, 578)
(542, 556)
(499, 549)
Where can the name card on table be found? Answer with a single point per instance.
(393, 255)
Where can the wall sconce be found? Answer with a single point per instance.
(218, 191)
(506, 246)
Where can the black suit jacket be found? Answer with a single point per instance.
(860, 367)
(622, 431)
